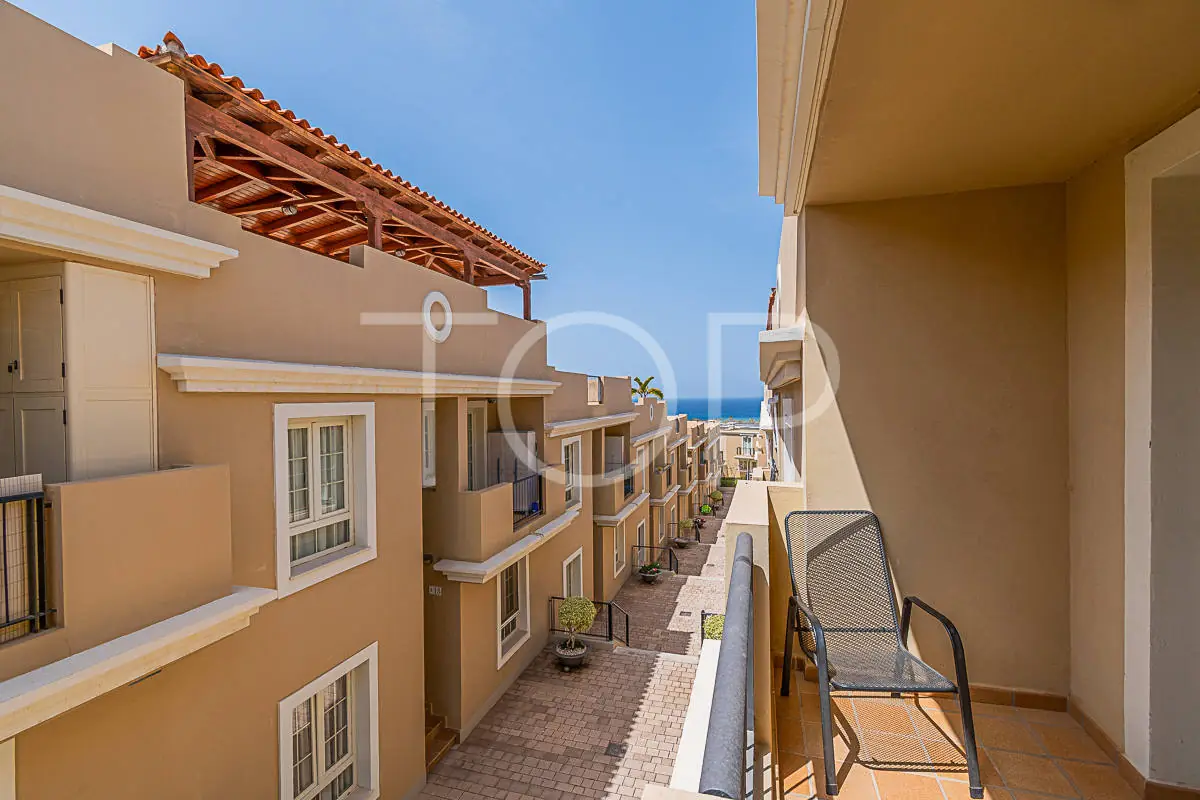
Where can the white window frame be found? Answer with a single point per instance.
(360, 494)
(574, 479)
(662, 524)
(428, 444)
(362, 668)
(506, 649)
(641, 461)
(619, 547)
(566, 565)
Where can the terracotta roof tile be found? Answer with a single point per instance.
(171, 44)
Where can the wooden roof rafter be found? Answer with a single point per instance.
(290, 181)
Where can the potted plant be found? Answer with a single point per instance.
(714, 626)
(706, 509)
(575, 615)
(699, 523)
(716, 496)
(650, 572)
(686, 535)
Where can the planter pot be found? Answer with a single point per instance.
(570, 659)
(649, 577)
(683, 544)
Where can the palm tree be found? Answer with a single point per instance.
(642, 388)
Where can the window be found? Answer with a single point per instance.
(512, 607)
(325, 490)
(428, 444)
(641, 466)
(619, 549)
(662, 524)
(329, 734)
(318, 482)
(573, 465)
(573, 575)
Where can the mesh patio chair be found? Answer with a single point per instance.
(844, 610)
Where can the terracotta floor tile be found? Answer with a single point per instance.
(795, 770)
(993, 710)
(1023, 771)
(1006, 734)
(814, 745)
(1073, 743)
(988, 774)
(854, 782)
(956, 790)
(1097, 781)
(894, 750)
(1059, 719)
(884, 716)
(789, 734)
(906, 786)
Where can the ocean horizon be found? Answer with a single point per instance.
(736, 408)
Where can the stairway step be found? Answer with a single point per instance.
(432, 731)
(441, 744)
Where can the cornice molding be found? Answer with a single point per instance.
(213, 374)
(50, 224)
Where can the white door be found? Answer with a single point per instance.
(41, 437)
(37, 347)
(573, 576)
(477, 448)
(641, 540)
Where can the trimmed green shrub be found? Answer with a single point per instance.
(686, 524)
(729, 481)
(706, 509)
(714, 626)
(716, 496)
(576, 614)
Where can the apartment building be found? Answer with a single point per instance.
(284, 500)
(985, 315)
(744, 451)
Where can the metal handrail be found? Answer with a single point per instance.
(729, 747)
(23, 565)
(527, 497)
(613, 615)
(640, 551)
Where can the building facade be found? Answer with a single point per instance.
(303, 497)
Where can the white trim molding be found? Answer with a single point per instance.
(363, 669)
(46, 692)
(569, 426)
(691, 487)
(650, 435)
(666, 498)
(484, 571)
(215, 374)
(616, 519)
(46, 223)
(677, 442)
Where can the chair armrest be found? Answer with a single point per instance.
(811, 616)
(951, 631)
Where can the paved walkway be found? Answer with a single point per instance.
(665, 616)
(606, 731)
(602, 732)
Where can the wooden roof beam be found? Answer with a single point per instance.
(221, 188)
(203, 118)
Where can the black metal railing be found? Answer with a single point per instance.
(612, 621)
(675, 532)
(644, 554)
(728, 766)
(23, 561)
(628, 479)
(527, 497)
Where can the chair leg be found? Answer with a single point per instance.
(786, 686)
(831, 787)
(968, 720)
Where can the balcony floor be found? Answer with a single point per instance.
(911, 748)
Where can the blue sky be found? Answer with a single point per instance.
(615, 140)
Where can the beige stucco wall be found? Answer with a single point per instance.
(1095, 306)
(949, 317)
(130, 551)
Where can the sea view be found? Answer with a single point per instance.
(739, 408)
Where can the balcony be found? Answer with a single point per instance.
(121, 553)
(742, 738)
(612, 491)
